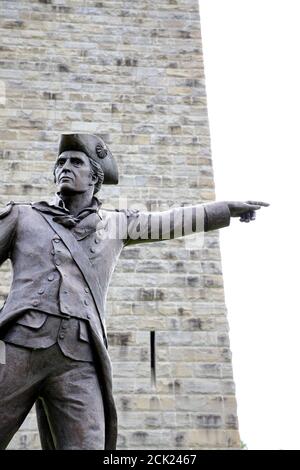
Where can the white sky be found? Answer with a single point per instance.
(252, 66)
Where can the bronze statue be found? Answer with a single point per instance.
(63, 254)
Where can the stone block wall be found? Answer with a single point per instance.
(131, 71)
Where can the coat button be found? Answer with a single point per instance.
(41, 291)
(51, 277)
(52, 252)
(56, 240)
(61, 336)
(86, 302)
(92, 250)
(88, 316)
(97, 240)
(87, 290)
(35, 303)
(57, 262)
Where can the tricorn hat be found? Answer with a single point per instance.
(96, 149)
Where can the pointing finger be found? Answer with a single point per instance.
(253, 207)
(258, 203)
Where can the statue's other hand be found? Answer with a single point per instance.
(245, 210)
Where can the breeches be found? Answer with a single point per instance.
(69, 391)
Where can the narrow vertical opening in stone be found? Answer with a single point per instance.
(152, 358)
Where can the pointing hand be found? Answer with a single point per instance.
(245, 210)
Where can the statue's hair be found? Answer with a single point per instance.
(96, 170)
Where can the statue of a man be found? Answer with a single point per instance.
(63, 254)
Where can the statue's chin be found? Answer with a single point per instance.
(67, 189)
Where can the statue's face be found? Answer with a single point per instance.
(73, 173)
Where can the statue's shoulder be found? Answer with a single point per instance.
(128, 212)
(123, 215)
(5, 211)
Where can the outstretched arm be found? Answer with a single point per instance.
(145, 227)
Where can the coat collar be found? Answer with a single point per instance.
(58, 203)
(86, 222)
(57, 207)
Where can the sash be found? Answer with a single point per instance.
(82, 261)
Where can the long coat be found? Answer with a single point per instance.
(29, 241)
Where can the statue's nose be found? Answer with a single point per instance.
(66, 166)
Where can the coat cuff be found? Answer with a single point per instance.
(217, 215)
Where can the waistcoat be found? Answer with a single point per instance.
(38, 330)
